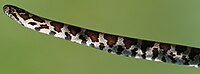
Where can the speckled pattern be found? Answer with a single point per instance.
(130, 47)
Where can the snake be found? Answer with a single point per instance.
(110, 43)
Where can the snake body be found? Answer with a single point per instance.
(120, 45)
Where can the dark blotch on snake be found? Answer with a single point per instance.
(37, 28)
(32, 23)
(92, 45)
(57, 25)
(25, 16)
(163, 59)
(111, 39)
(101, 46)
(83, 39)
(74, 30)
(68, 37)
(155, 53)
(133, 51)
(37, 18)
(144, 46)
(186, 60)
(15, 16)
(93, 35)
(180, 49)
(129, 42)
(194, 52)
(119, 49)
(109, 50)
(52, 33)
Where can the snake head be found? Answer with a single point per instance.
(8, 9)
(11, 11)
(16, 13)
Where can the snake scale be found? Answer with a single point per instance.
(120, 45)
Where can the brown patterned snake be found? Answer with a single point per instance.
(130, 47)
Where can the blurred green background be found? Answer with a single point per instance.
(23, 51)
